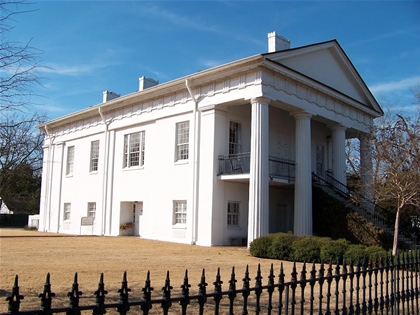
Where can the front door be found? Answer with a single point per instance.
(136, 215)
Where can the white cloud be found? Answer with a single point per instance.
(386, 87)
(71, 70)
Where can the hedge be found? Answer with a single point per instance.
(286, 246)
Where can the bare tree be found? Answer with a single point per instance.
(18, 62)
(396, 164)
(20, 144)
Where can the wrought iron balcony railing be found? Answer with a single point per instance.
(239, 164)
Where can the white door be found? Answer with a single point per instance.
(137, 213)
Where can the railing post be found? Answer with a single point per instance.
(329, 280)
(321, 282)
(100, 297)
(147, 295)
(202, 298)
(344, 291)
(293, 285)
(74, 298)
(337, 281)
(245, 291)
(166, 296)
(302, 287)
(217, 295)
(185, 294)
(46, 297)
(312, 282)
(375, 272)
(123, 306)
(351, 288)
(270, 290)
(357, 306)
(15, 298)
(232, 291)
(281, 288)
(258, 289)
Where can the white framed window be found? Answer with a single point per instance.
(91, 209)
(134, 149)
(182, 141)
(70, 160)
(233, 213)
(94, 156)
(235, 138)
(67, 211)
(180, 212)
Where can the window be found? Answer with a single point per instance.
(70, 160)
(235, 138)
(91, 209)
(180, 212)
(94, 155)
(182, 140)
(134, 149)
(67, 211)
(233, 214)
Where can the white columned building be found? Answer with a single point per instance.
(303, 182)
(339, 153)
(258, 216)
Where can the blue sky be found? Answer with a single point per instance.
(92, 46)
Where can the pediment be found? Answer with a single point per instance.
(328, 64)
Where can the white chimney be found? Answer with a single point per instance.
(145, 83)
(107, 96)
(277, 42)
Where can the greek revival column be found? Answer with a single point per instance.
(366, 169)
(258, 210)
(303, 180)
(339, 153)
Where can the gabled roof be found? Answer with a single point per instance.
(327, 63)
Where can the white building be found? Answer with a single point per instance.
(221, 156)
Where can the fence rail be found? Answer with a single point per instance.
(380, 286)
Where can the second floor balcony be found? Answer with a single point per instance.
(238, 164)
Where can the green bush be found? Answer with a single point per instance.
(260, 247)
(281, 247)
(334, 250)
(286, 246)
(374, 252)
(308, 248)
(355, 252)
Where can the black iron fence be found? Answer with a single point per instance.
(380, 286)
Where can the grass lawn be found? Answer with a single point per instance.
(31, 255)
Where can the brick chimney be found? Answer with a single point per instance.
(277, 42)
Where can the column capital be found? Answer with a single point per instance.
(300, 114)
(337, 127)
(261, 100)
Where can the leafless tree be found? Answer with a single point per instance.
(18, 62)
(396, 163)
(20, 144)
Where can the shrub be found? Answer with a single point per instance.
(308, 249)
(355, 252)
(334, 250)
(281, 247)
(260, 247)
(374, 252)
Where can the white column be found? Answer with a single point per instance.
(366, 169)
(339, 153)
(303, 180)
(258, 213)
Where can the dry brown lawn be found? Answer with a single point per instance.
(32, 255)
